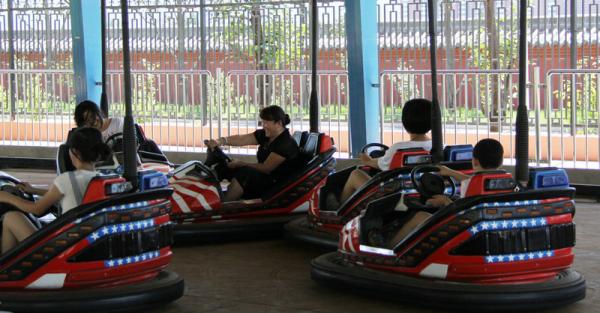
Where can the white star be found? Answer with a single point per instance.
(138, 225)
(128, 260)
(151, 222)
(137, 258)
(531, 256)
(515, 223)
(115, 228)
(123, 227)
(119, 262)
(543, 222)
(131, 226)
(111, 263)
(496, 204)
(157, 253)
(484, 226)
(474, 229)
(504, 224)
(105, 230)
(494, 225)
(490, 259)
(549, 253)
(533, 222)
(524, 223)
(541, 254)
(144, 257)
(500, 258)
(521, 257)
(511, 258)
(95, 236)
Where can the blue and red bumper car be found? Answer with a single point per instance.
(109, 254)
(494, 251)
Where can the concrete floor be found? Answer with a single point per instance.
(274, 275)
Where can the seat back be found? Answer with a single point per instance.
(458, 153)
(102, 187)
(547, 177)
(63, 161)
(410, 157)
(491, 182)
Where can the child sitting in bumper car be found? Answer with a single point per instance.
(85, 148)
(487, 156)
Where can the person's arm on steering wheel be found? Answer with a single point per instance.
(235, 140)
(445, 171)
(271, 163)
(26, 187)
(37, 208)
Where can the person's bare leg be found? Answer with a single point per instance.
(15, 228)
(419, 218)
(234, 191)
(356, 180)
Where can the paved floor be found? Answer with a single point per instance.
(273, 275)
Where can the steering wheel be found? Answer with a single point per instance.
(216, 155)
(13, 190)
(113, 141)
(375, 153)
(430, 184)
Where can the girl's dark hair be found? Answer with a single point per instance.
(85, 110)
(274, 113)
(87, 143)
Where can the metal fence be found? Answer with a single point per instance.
(204, 67)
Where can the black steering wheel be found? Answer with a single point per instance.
(378, 152)
(430, 184)
(215, 155)
(13, 190)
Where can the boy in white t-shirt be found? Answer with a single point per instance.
(488, 155)
(416, 119)
(85, 148)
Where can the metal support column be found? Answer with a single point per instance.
(363, 72)
(87, 46)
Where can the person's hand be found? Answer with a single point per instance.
(444, 170)
(25, 187)
(235, 164)
(438, 201)
(365, 158)
(211, 144)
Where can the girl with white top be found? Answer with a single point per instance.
(87, 113)
(85, 148)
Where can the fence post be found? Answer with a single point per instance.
(11, 60)
(536, 105)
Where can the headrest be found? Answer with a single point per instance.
(410, 157)
(311, 145)
(547, 177)
(102, 187)
(490, 182)
(458, 153)
(325, 143)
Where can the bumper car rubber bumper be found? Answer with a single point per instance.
(567, 287)
(164, 288)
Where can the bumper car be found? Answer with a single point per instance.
(109, 254)
(149, 155)
(496, 250)
(199, 213)
(325, 220)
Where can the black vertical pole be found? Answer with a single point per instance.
(436, 115)
(128, 129)
(103, 97)
(522, 136)
(314, 94)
